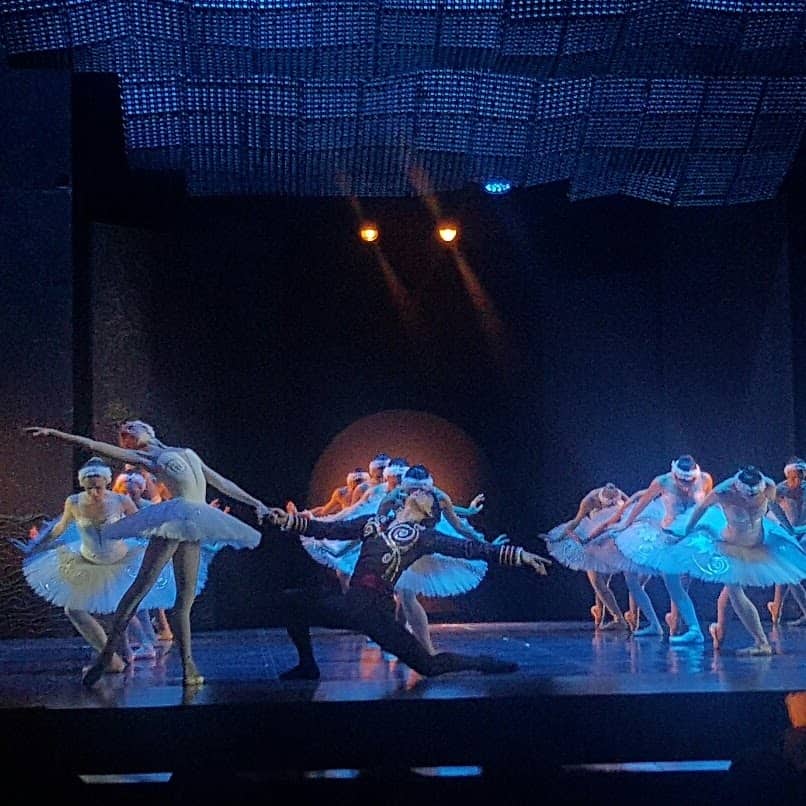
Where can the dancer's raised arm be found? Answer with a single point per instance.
(103, 448)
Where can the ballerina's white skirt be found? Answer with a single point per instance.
(432, 575)
(186, 521)
(777, 559)
(63, 576)
(601, 554)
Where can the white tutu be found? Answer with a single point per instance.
(439, 576)
(777, 560)
(600, 554)
(64, 577)
(340, 555)
(188, 521)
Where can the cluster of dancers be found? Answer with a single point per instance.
(743, 532)
(391, 533)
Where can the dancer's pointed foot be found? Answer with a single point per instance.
(649, 632)
(690, 636)
(671, 623)
(598, 615)
(755, 651)
(798, 622)
(116, 665)
(190, 674)
(717, 632)
(775, 611)
(306, 671)
(632, 617)
(92, 674)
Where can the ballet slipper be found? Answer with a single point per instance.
(755, 651)
(598, 615)
(632, 617)
(690, 636)
(775, 611)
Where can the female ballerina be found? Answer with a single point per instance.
(176, 529)
(643, 540)
(71, 565)
(741, 547)
(571, 544)
(144, 493)
(634, 576)
(789, 494)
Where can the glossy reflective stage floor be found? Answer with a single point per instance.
(579, 698)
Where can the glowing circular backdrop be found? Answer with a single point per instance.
(454, 459)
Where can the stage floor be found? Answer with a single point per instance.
(555, 658)
(579, 698)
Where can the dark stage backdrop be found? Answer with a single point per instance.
(36, 297)
(572, 344)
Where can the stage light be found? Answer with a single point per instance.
(497, 187)
(369, 232)
(448, 231)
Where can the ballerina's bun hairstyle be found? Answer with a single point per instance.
(685, 467)
(357, 476)
(795, 464)
(417, 477)
(380, 460)
(397, 467)
(95, 467)
(749, 480)
(131, 425)
(122, 480)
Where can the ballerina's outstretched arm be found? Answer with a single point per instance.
(46, 540)
(104, 448)
(648, 496)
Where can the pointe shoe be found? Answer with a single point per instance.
(632, 617)
(690, 636)
(798, 622)
(755, 651)
(671, 623)
(775, 611)
(598, 615)
(717, 634)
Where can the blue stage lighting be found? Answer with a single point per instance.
(497, 187)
